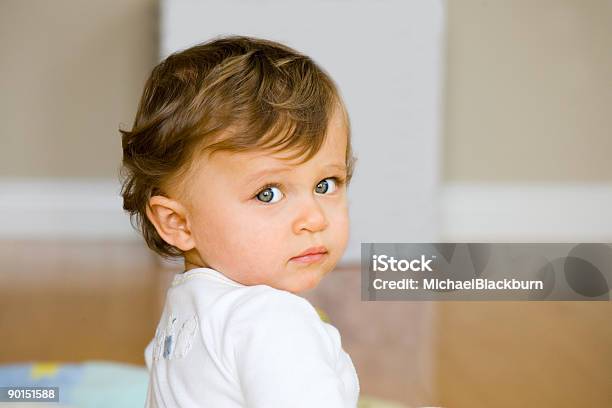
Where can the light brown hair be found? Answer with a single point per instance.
(233, 94)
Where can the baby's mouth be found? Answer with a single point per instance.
(311, 255)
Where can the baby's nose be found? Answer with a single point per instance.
(310, 216)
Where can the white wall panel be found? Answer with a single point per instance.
(386, 58)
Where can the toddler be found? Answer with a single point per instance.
(238, 162)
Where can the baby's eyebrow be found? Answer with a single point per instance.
(276, 170)
(266, 172)
(341, 167)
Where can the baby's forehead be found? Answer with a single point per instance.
(255, 162)
(257, 158)
(274, 153)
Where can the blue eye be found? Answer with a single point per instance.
(326, 186)
(270, 195)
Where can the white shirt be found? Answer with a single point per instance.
(222, 344)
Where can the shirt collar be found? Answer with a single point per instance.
(209, 272)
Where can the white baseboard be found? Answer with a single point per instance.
(62, 209)
(469, 212)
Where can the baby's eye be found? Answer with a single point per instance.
(326, 186)
(270, 195)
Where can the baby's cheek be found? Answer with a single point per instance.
(340, 227)
(257, 248)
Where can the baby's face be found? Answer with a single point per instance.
(251, 214)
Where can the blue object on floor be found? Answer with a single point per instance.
(92, 384)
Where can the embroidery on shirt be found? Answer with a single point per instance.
(169, 337)
(163, 338)
(158, 344)
(170, 342)
(185, 337)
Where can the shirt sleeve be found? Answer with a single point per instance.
(284, 355)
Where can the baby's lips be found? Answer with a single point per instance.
(312, 251)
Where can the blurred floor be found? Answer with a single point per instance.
(524, 354)
(76, 301)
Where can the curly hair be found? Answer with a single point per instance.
(231, 93)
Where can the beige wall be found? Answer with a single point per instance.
(527, 87)
(529, 91)
(71, 72)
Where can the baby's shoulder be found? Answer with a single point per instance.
(279, 324)
(223, 305)
(266, 304)
(244, 311)
(266, 312)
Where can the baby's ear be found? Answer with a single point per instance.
(170, 220)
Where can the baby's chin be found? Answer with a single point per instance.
(290, 277)
(306, 280)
